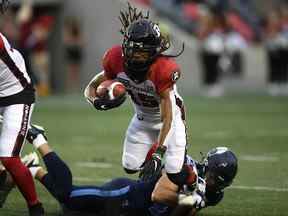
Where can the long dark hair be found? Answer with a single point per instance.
(131, 15)
(4, 6)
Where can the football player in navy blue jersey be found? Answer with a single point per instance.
(212, 176)
(123, 196)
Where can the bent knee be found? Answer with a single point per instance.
(131, 163)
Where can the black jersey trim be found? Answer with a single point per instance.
(4, 55)
(23, 130)
(27, 96)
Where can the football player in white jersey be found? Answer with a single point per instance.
(17, 97)
(150, 78)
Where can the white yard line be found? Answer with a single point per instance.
(101, 165)
(82, 139)
(259, 158)
(217, 134)
(259, 188)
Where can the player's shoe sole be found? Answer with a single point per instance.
(31, 160)
(34, 131)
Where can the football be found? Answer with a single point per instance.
(110, 89)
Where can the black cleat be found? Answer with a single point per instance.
(5, 187)
(36, 210)
(33, 132)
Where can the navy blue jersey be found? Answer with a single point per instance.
(125, 194)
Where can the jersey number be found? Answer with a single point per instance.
(143, 100)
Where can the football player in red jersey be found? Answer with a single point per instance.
(150, 79)
(17, 98)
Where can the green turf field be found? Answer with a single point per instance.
(255, 127)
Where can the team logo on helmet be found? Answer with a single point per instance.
(175, 76)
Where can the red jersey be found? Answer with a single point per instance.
(162, 74)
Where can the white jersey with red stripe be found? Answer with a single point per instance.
(13, 74)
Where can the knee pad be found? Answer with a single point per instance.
(130, 162)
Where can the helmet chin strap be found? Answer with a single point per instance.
(132, 72)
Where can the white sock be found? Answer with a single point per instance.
(40, 140)
(34, 170)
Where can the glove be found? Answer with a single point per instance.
(194, 199)
(153, 166)
(104, 104)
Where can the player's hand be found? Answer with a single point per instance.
(104, 104)
(195, 199)
(153, 166)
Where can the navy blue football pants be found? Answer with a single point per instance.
(124, 194)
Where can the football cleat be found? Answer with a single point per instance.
(34, 131)
(31, 160)
(36, 210)
(5, 187)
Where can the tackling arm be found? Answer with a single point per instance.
(167, 192)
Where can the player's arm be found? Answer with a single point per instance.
(166, 116)
(165, 192)
(90, 90)
(101, 103)
(152, 168)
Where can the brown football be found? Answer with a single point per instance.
(110, 89)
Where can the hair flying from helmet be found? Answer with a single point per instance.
(131, 15)
(4, 5)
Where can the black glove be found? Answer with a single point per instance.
(152, 168)
(106, 104)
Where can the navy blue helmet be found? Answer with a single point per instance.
(4, 5)
(141, 45)
(222, 165)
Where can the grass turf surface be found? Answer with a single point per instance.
(254, 127)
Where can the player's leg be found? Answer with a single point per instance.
(6, 185)
(14, 128)
(176, 150)
(138, 140)
(58, 179)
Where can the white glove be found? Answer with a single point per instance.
(193, 199)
